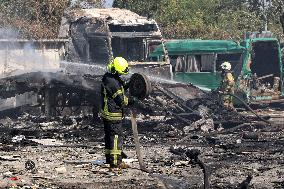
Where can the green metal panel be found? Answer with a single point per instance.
(263, 39)
(212, 80)
(247, 44)
(203, 80)
(246, 54)
(179, 47)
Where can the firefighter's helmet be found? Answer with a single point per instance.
(226, 66)
(118, 65)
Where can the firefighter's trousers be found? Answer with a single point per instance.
(113, 142)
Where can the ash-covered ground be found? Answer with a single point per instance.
(238, 149)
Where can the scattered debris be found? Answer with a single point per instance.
(245, 183)
(66, 140)
(47, 142)
(18, 138)
(193, 156)
(61, 170)
(30, 165)
(10, 158)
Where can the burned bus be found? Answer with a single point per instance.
(62, 75)
(256, 65)
(198, 61)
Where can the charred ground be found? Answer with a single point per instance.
(174, 122)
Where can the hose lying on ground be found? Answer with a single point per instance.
(247, 106)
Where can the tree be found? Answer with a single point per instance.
(203, 19)
(37, 19)
(207, 19)
(274, 17)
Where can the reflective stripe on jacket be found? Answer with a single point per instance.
(228, 82)
(113, 97)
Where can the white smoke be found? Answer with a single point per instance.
(19, 56)
(8, 33)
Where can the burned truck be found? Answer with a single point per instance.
(88, 39)
(97, 35)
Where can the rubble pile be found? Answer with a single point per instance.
(187, 138)
(190, 108)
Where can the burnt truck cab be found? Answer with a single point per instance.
(97, 35)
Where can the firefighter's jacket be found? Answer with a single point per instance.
(228, 82)
(113, 98)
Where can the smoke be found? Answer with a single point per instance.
(94, 71)
(8, 33)
(81, 68)
(19, 56)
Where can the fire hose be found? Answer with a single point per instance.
(247, 106)
(136, 142)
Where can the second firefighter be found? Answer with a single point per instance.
(227, 85)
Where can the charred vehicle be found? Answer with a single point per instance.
(261, 79)
(97, 35)
(198, 61)
(256, 65)
(62, 76)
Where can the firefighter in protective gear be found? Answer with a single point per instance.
(227, 85)
(113, 102)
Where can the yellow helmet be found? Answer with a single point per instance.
(226, 66)
(118, 65)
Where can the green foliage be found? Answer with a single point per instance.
(37, 19)
(202, 19)
(33, 19)
(208, 19)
